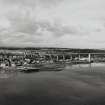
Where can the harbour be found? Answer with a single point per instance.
(30, 79)
(39, 59)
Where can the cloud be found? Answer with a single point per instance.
(33, 3)
(23, 22)
(62, 23)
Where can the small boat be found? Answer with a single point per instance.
(28, 69)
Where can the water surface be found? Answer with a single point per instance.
(76, 85)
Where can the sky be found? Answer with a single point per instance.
(52, 23)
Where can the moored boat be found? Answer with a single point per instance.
(28, 69)
(41, 67)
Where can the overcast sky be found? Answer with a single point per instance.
(52, 23)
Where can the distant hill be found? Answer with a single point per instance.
(74, 50)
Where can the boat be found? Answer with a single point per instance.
(28, 69)
(41, 67)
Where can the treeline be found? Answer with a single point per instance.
(73, 50)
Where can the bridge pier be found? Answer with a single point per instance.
(89, 58)
(71, 57)
(79, 56)
(51, 60)
(57, 58)
(63, 57)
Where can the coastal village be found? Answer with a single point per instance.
(47, 57)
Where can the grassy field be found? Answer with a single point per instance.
(75, 85)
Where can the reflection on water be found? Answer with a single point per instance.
(89, 65)
(7, 73)
(67, 87)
